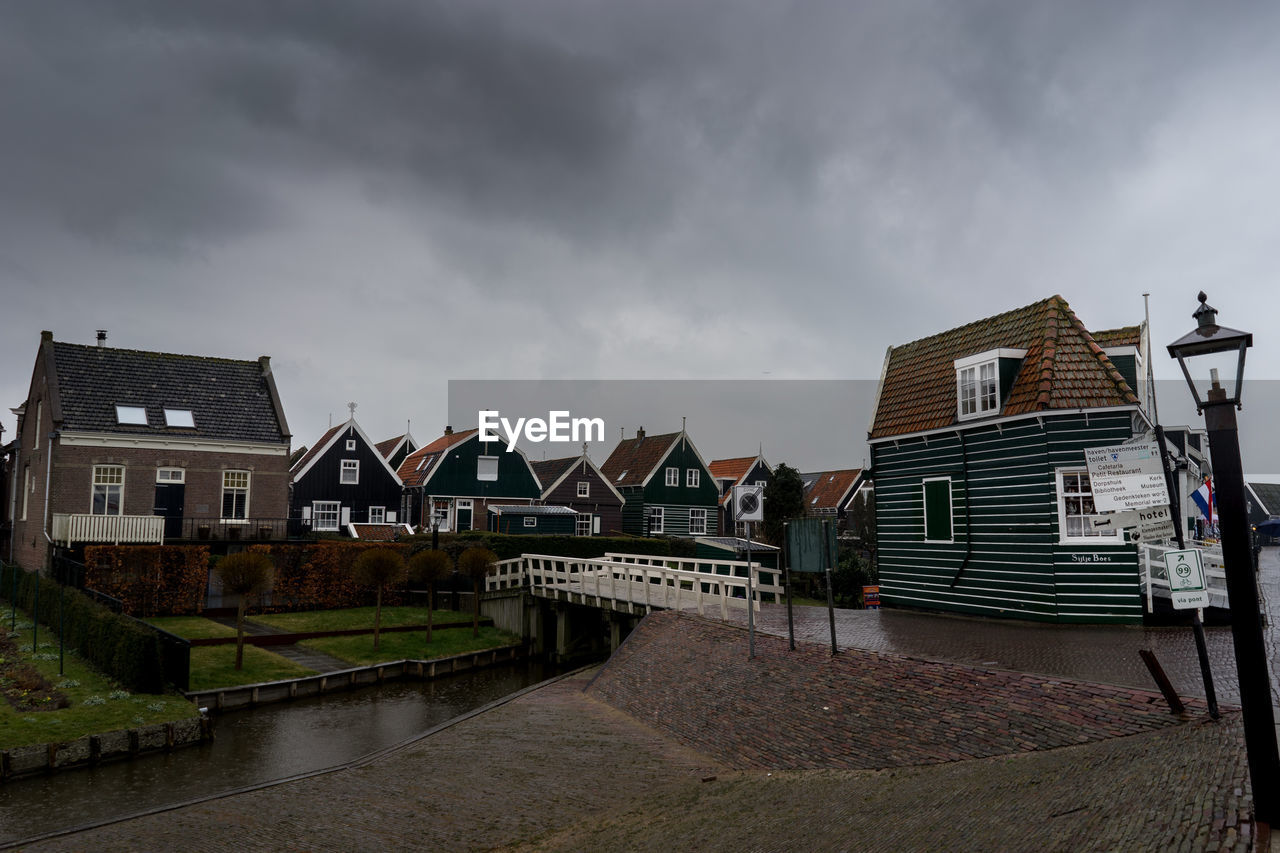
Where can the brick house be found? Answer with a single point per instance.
(125, 446)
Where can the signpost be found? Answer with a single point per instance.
(1187, 586)
(1126, 476)
(1148, 523)
(748, 506)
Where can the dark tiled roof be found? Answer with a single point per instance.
(229, 399)
(1269, 494)
(320, 445)
(636, 458)
(526, 509)
(828, 487)
(1127, 336)
(417, 465)
(1064, 368)
(549, 470)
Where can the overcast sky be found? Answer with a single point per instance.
(384, 196)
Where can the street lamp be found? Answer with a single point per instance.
(1220, 349)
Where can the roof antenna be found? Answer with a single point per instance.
(352, 408)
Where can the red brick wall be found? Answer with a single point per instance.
(29, 549)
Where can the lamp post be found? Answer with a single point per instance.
(1226, 347)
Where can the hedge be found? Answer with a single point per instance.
(150, 580)
(113, 643)
(508, 545)
(320, 577)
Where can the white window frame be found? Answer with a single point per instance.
(229, 488)
(584, 488)
(377, 515)
(180, 418)
(1065, 496)
(582, 524)
(692, 477)
(349, 472)
(105, 482)
(351, 444)
(171, 475)
(657, 519)
(700, 514)
(131, 415)
(951, 506)
(322, 511)
(530, 521)
(673, 476)
(487, 469)
(978, 391)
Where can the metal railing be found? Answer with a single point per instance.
(261, 529)
(72, 528)
(1155, 583)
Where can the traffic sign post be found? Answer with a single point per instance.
(1187, 586)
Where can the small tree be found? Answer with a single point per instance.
(244, 574)
(376, 568)
(783, 501)
(476, 563)
(430, 567)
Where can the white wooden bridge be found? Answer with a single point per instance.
(638, 584)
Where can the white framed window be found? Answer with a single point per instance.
(1076, 510)
(530, 521)
(171, 475)
(656, 517)
(692, 476)
(761, 483)
(936, 492)
(673, 476)
(35, 438)
(325, 515)
(487, 468)
(235, 495)
(350, 473)
(377, 515)
(582, 525)
(27, 488)
(131, 415)
(977, 389)
(179, 418)
(351, 444)
(584, 489)
(108, 490)
(697, 522)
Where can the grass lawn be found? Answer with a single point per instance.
(413, 645)
(215, 666)
(356, 617)
(192, 627)
(98, 704)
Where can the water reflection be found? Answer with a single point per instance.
(255, 746)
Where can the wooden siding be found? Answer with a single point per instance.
(323, 482)
(602, 502)
(1004, 520)
(456, 476)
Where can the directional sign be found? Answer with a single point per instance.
(1126, 476)
(1148, 524)
(1187, 586)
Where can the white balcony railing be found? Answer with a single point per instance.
(72, 528)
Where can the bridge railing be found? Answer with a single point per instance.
(1156, 583)
(653, 582)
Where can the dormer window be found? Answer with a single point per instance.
(982, 381)
(131, 415)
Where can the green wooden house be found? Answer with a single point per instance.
(667, 486)
(455, 479)
(983, 499)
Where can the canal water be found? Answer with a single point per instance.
(255, 746)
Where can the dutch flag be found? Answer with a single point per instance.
(1203, 498)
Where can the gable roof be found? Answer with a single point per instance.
(1064, 368)
(328, 440)
(635, 460)
(732, 469)
(386, 449)
(1268, 495)
(417, 467)
(552, 472)
(1126, 336)
(829, 489)
(229, 399)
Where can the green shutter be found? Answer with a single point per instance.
(937, 510)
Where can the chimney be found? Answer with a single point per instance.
(264, 361)
(102, 337)
(448, 430)
(640, 433)
(46, 336)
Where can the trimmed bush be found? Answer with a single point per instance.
(150, 580)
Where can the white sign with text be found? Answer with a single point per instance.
(1126, 476)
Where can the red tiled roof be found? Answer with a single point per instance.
(1064, 368)
(316, 448)
(378, 532)
(1130, 336)
(549, 470)
(731, 469)
(417, 465)
(385, 448)
(636, 458)
(829, 487)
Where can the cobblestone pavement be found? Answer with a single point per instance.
(1107, 654)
